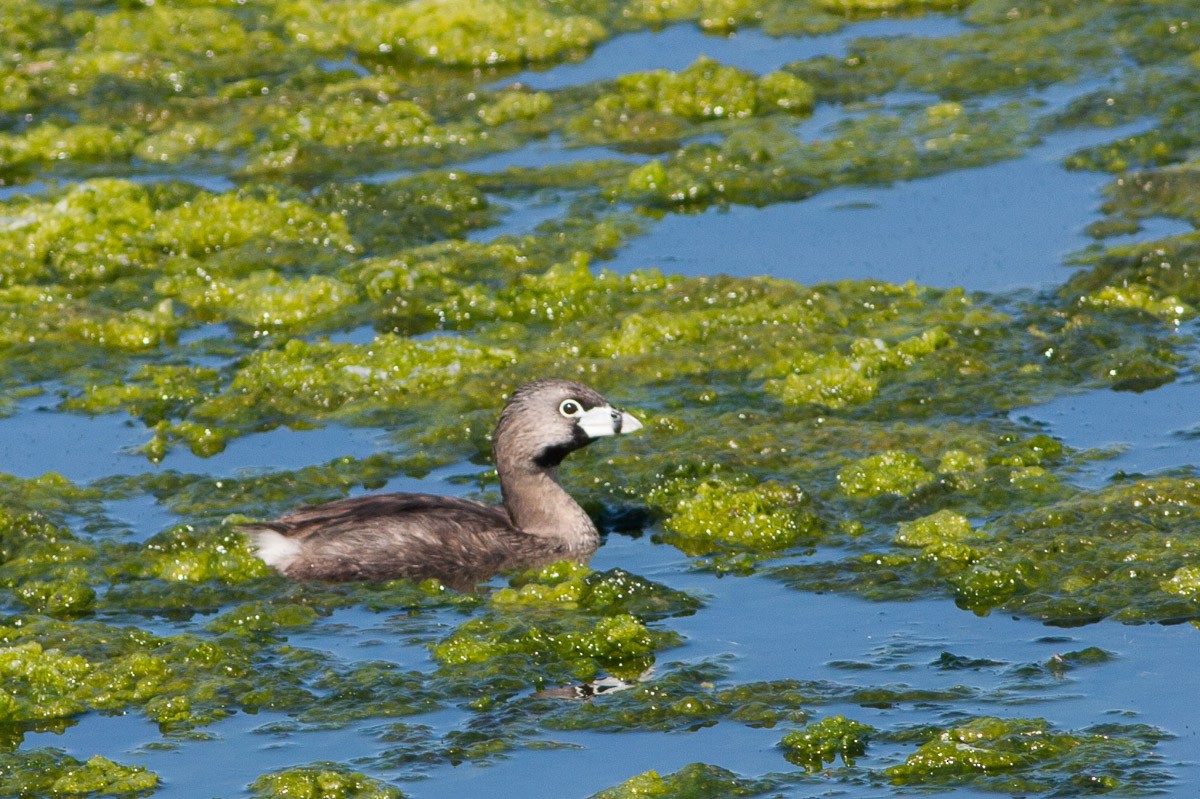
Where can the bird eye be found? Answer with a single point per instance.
(570, 408)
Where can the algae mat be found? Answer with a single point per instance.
(259, 253)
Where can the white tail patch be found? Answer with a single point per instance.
(276, 550)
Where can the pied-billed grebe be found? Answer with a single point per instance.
(460, 542)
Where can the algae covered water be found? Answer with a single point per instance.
(904, 292)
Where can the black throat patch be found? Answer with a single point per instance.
(553, 455)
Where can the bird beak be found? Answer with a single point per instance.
(605, 420)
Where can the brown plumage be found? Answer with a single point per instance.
(458, 541)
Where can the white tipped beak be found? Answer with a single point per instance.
(605, 420)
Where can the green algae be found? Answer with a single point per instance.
(766, 162)
(103, 229)
(525, 626)
(720, 513)
(775, 390)
(694, 780)
(891, 472)
(333, 376)
(455, 34)
(58, 671)
(411, 211)
(572, 586)
(619, 644)
(322, 781)
(1114, 553)
(513, 105)
(186, 554)
(152, 394)
(824, 741)
(51, 772)
(835, 380)
(263, 300)
(1023, 755)
(659, 105)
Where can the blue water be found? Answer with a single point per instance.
(37, 439)
(680, 45)
(1154, 431)
(1002, 227)
(761, 631)
(994, 228)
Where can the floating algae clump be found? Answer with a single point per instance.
(708, 90)
(51, 772)
(941, 535)
(511, 105)
(1124, 551)
(836, 381)
(322, 781)
(733, 513)
(619, 644)
(694, 780)
(41, 565)
(59, 670)
(662, 104)
(851, 7)
(1115, 552)
(573, 586)
(565, 621)
(103, 229)
(302, 380)
(891, 472)
(153, 393)
(182, 43)
(823, 741)
(455, 33)
(1020, 756)
(936, 530)
(1141, 298)
(187, 554)
(1185, 582)
(264, 300)
(39, 684)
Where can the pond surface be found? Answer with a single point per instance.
(1003, 240)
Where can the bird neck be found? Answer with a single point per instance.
(538, 505)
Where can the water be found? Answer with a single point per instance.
(546, 152)
(1023, 217)
(1154, 431)
(37, 439)
(810, 636)
(994, 228)
(676, 47)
